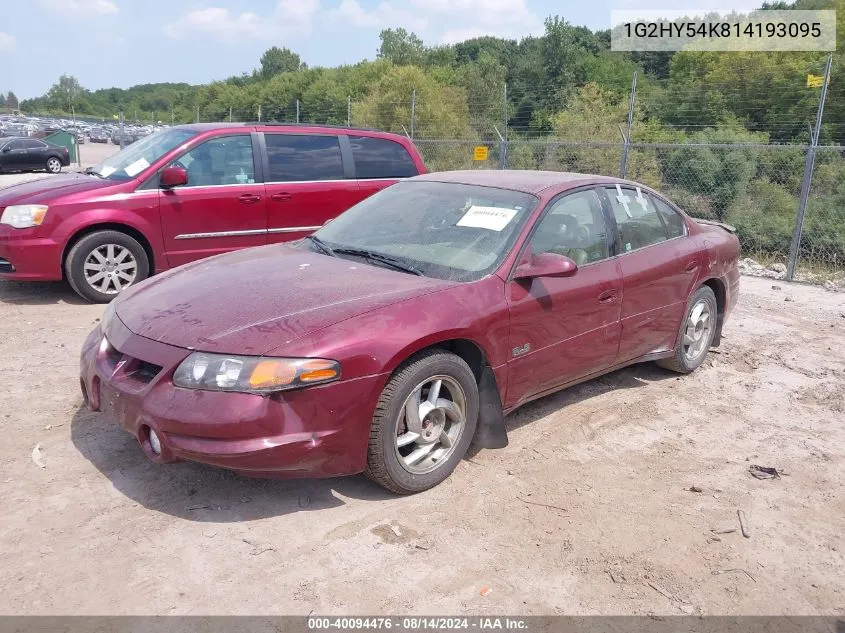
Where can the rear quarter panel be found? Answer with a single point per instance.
(721, 252)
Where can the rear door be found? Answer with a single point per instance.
(658, 270)
(379, 162)
(309, 181)
(36, 153)
(221, 208)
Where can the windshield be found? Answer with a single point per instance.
(442, 230)
(131, 161)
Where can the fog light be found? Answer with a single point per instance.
(155, 443)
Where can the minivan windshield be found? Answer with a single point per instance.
(134, 159)
(444, 230)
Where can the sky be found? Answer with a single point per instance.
(120, 43)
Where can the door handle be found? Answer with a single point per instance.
(249, 198)
(608, 296)
(280, 197)
(691, 267)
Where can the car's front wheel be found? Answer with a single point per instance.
(54, 165)
(697, 331)
(423, 423)
(103, 264)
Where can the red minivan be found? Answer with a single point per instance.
(188, 192)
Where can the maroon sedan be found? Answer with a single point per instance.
(405, 329)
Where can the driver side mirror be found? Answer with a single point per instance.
(546, 265)
(173, 177)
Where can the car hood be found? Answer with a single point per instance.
(49, 188)
(255, 300)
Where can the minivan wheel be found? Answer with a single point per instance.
(54, 165)
(423, 423)
(103, 264)
(696, 335)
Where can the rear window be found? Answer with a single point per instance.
(300, 157)
(381, 158)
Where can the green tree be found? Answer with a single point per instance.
(401, 47)
(12, 101)
(484, 80)
(2, 100)
(277, 60)
(65, 93)
(441, 110)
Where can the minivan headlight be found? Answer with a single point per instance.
(253, 374)
(24, 216)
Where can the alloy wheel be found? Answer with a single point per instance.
(431, 424)
(110, 268)
(697, 331)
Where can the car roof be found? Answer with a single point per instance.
(526, 181)
(206, 127)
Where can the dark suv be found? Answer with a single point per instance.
(189, 192)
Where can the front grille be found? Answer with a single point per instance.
(145, 372)
(133, 368)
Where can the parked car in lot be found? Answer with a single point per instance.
(189, 192)
(98, 135)
(406, 328)
(22, 154)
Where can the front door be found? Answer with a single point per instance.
(659, 265)
(565, 328)
(306, 184)
(221, 208)
(15, 155)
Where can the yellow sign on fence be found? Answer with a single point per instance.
(480, 152)
(815, 81)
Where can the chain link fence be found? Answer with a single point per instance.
(755, 188)
(787, 202)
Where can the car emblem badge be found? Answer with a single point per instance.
(519, 351)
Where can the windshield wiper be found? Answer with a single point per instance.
(90, 171)
(321, 245)
(395, 262)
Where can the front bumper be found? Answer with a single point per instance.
(24, 257)
(314, 432)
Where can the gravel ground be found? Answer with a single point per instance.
(613, 497)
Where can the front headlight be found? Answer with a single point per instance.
(24, 216)
(253, 374)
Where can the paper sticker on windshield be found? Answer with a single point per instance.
(490, 218)
(137, 167)
(107, 171)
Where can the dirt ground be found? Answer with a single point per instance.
(588, 511)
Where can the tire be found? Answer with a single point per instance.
(694, 337)
(53, 165)
(94, 249)
(385, 463)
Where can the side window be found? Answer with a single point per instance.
(672, 219)
(381, 158)
(17, 144)
(298, 157)
(637, 218)
(573, 226)
(226, 160)
(33, 144)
